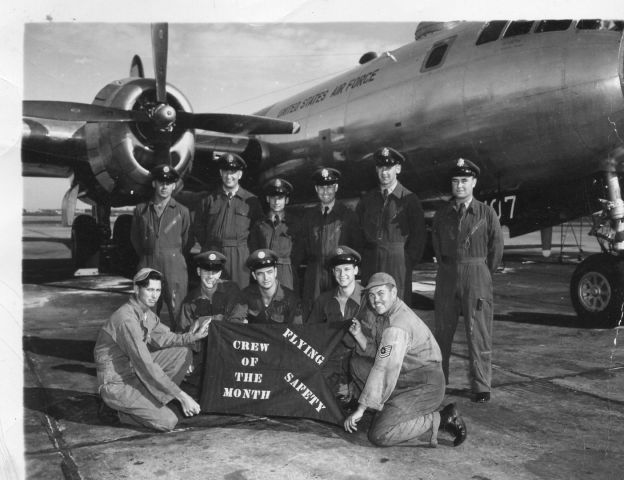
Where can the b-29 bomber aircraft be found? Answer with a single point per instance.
(538, 105)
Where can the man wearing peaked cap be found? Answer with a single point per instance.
(161, 237)
(399, 374)
(468, 245)
(267, 301)
(225, 216)
(140, 363)
(323, 228)
(393, 223)
(277, 229)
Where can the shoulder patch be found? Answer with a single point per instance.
(385, 351)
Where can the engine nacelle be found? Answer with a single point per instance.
(121, 154)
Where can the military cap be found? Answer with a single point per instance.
(343, 254)
(464, 168)
(261, 258)
(277, 186)
(165, 173)
(231, 161)
(210, 260)
(143, 274)
(326, 176)
(387, 156)
(380, 278)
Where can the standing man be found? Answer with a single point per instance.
(468, 245)
(160, 236)
(224, 217)
(406, 383)
(324, 227)
(276, 231)
(268, 301)
(393, 224)
(140, 362)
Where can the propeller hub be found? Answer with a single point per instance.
(164, 116)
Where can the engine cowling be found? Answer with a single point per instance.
(121, 154)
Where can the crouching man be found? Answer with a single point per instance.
(405, 383)
(140, 362)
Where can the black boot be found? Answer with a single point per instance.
(106, 414)
(452, 422)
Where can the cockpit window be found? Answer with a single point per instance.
(437, 54)
(520, 27)
(552, 26)
(596, 24)
(491, 31)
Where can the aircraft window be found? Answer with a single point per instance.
(595, 24)
(436, 56)
(491, 31)
(553, 26)
(518, 28)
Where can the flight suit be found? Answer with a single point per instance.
(394, 236)
(468, 252)
(284, 307)
(279, 238)
(317, 239)
(223, 223)
(405, 382)
(140, 364)
(161, 244)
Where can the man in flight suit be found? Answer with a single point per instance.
(393, 224)
(224, 218)
(140, 363)
(406, 383)
(160, 236)
(468, 245)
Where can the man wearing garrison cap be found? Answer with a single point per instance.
(224, 217)
(140, 363)
(324, 227)
(393, 223)
(160, 235)
(276, 231)
(468, 245)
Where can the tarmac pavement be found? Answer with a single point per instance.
(557, 409)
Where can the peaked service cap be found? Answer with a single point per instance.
(277, 186)
(387, 156)
(343, 254)
(231, 161)
(261, 258)
(210, 260)
(464, 168)
(165, 173)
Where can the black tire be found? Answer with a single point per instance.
(597, 290)
(85, 242)
(126, 259)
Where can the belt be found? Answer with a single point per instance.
(227, 243)
(283, 261)
(162, 249)
(462, 261)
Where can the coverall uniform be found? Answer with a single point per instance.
(283, 308)
(319, 236)
(468, 252)
(140, 364)
(394, 235)
(222, 223)
(406, 383)
(277, 235)
(161, 242)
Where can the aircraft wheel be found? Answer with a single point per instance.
(85, 242)
(597, 290)
(125, 256)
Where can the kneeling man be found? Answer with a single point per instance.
(140, 362)
(406, 383)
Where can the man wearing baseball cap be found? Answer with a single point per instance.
(140, 363)
(160, 236)
(405, 383)
(468, 245)
(224, 217)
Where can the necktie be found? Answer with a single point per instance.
(326, 211)
(276, 220)
(230, 195)
(462, 212)
(385, 195)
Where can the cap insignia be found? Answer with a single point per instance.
(385, 152)
(166, 169)
(325, 173)
(339, 251)
(261, 254)
(212, 256)
(461, 162)
(278, 183)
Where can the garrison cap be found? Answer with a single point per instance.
(210, 260)
(343, 254)
(464, 168)
(326, 176)
(380, 278)
(261, 258)
(231, 161)
(277, 186)
(387, 156)
(143, 274)
(165, 173)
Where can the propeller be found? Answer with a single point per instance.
(160, 43)
(81, 112)
(232, 123)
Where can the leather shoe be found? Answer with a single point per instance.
(452, 422)
(481, 397)
(106, 414)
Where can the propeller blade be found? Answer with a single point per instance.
(159, 49)
(236, 124)
(80, 112)
(162, 148)
(136, 67)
